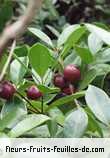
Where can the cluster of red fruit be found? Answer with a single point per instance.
(66, 80)
(7, 91)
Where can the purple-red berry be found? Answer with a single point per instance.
(7, 90)
(69, 90)
(33, 93)
(72, 73)
(59, 81)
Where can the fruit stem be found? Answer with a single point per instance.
(32, 110)
(102, 82)
(42, 102)
(76, 103)
(60, 125)
(42, 105)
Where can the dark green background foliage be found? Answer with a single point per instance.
(6, 12)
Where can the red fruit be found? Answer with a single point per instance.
(72, 73)
(59, 81)
(7, 90)
(69, 90)
(33, 93)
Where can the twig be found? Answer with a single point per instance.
(31, 110)
(28, 102)
(15, 30)
(76, 103)
(8, 61)
(42, 105)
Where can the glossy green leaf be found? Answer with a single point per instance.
(93, 125)
(75, 124)
(85, 54)
(39, 132)
(66, 100)
(99, 103)
(75, 36)
(22, 51)
(88, 78)
(103, 56)
(48, 90)
(48, 77)
(66, 33)
(41, 35)
(17, 71)
(57, 114)
(12, 111)
(12, 104)
(36, 77)
(40, 58)
(38, 105)
(53, 127)
(99, 32)
(101, 69)
(10, 118)
(27, 124)
(53, 30)
(94, 43)
(73, 58)
(72, 40)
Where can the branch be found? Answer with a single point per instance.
(8, 61)
(16, 29)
